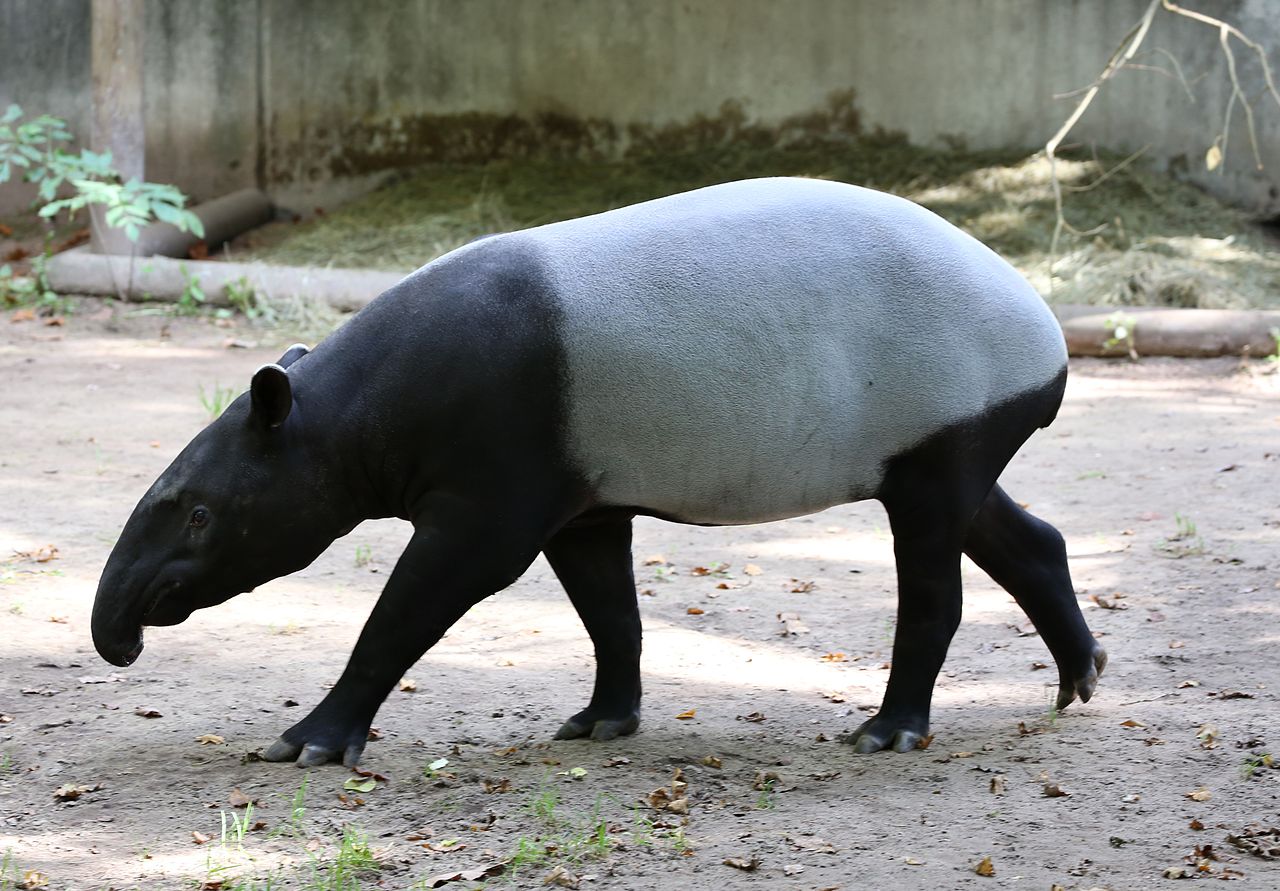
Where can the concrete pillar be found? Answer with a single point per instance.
(116, 122)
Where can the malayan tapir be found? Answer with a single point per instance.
(735, 354)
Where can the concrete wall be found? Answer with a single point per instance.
(296, 94)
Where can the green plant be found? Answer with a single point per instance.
(35, 147)
(432, 770)
(239, 826)
(354, 859)
(765, 799)
(244, 299)
(1184, 542)
(192, 296)
(1120, 328)
(1253, 762)
(543, 803)
(364, 555)
(215, 401)
(1275, 335)
(6, 763)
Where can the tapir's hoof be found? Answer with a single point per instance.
(1084, 685)
(313, 754)
(587, 723)
(876, 735)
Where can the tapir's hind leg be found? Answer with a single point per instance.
(593, 562)
(1027, 557)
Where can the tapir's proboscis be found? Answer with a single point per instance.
(736, 354)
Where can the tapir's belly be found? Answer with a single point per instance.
(730, 365)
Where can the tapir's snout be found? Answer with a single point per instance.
(117, 643)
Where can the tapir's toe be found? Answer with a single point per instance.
(875, 735)
(589, 724)
(1085, 683)
(282, 750)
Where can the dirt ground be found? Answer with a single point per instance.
(1162, 475)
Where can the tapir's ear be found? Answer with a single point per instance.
(293, 354)
(272, 396)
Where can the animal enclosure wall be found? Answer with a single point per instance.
(310, 98)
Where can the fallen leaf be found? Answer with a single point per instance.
(745, 864)
(465, 875)
(408, 685)
(55, 321)
(1258, 841)
(925, 741)
(798, 586)
(72, 792)
(911, 861)
(199, 837)
(1104, 603)
(1177, 872)
(1208, 736)
(985, 868)
(1053, 790)
(211, 739)
(1038, 666)
(997, 785)
(1176, 645)
(792, 869)
(32, 879)
(23, 315)
(812, 845)
(1185, 684)
(656, 560)
(753, 718)
(1232, 694)
(144, 712)
(617, 761)
(835, 657)
(1201, 794)
(686, 715)
(695, 611)
(752, 569)
(1198, 826)
(58, 620)
(834, 696)
(562, 877)
(1132, 723)
(712, 761)
(238, 799)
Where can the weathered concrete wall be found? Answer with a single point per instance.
(291, 94)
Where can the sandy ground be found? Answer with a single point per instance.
(94, 410)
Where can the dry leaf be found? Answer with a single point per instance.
(238, 799)
(617, 762)
(687, 715)
(834, 696)
(211, 739)
(1201, 794)
(1208, 736)
(746, 865)
(562, 877)
(655, 560)
(1053, 790)
(997, 785)
(799, 586)
(753, 718)
(72, 792)
(1197, 826)
(1185, 684)
(835, 657)
(23, 315)
(712, 761)
(1132, 723)
(199, 838)
(144, 712)
(1104, 603)
(32, 879)
(925, 741)
(408, 685)
(695, 611)
(1038, 666)
(985, 867)
(752, 569)
(812, 845)
(1212, 161)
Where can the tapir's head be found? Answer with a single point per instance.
(245, 502)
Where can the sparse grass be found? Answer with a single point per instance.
(364, 556)
(7, 764)
(1185, 542)
(1166, 242)
(354, 859)
(1254, 762)
(764, 801)
(216, 400)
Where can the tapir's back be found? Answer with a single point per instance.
(759, 349)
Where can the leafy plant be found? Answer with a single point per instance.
(244, 299)
(1275, 335)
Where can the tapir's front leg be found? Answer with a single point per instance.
(447, 568)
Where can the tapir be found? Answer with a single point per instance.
(735, 354)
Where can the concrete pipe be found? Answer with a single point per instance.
(223, 218)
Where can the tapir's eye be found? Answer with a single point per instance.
(199, 517)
